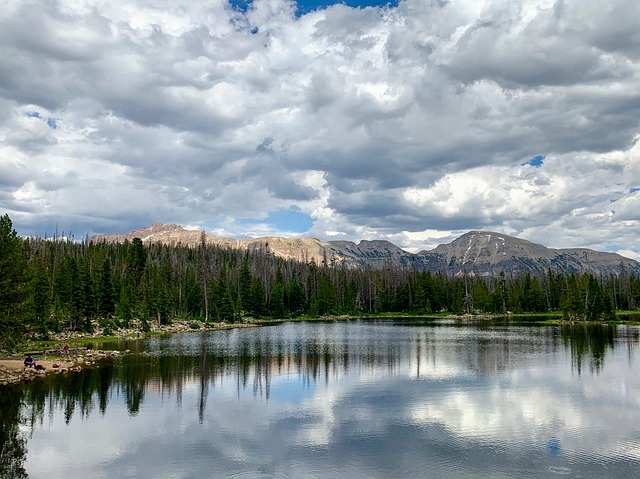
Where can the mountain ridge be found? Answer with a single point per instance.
(477, 252)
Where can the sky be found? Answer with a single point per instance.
(412, 121)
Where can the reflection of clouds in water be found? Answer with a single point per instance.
(483, 403)
(585, 414)
(74, 450)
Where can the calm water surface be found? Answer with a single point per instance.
(346, 399)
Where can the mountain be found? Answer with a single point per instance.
(476, 252)
(485, 252)
(300, 249)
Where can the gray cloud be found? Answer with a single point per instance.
(387, 123)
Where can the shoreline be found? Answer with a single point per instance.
(13, 371)
(48, 353)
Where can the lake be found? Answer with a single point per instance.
(343, 399)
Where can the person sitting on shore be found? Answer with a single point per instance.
(29, 362)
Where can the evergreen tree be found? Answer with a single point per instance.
(105, 296)
(352, 302)
(244, 282)
(84, 303)
(13, 285)
(481, 296)
(276, 297)
(295, 297)
(572, 303)
(193, 304)
(124, 308)
(402, 298)
(136, 260)
(46, 285)
(536, 301)
(255, 304)
(224, 302)
(325, 302)
(39, 293)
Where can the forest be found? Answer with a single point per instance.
(51, 285)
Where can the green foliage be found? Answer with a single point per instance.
(104, 291)
(325, 301)
(277, 296)
(13, 285)
(255, 304)
(50, 285)
(39, 292)
(144, 326)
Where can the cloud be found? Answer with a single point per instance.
(120, 114)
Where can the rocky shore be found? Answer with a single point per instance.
(137, 332)
(13, 370)
(53, 359)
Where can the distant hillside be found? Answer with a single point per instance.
(476, 252)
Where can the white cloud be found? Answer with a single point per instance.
(379, 123)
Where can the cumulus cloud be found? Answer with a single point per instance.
(416, 121)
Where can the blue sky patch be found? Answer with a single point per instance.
(536, 161)
(51, 122)
(292, 220)
(241, 5)
(633, 190)
(305, 6)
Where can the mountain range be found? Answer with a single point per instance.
(476, 252)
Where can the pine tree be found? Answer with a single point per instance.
(105, 296)
(352, 298)
(295, 296)
(276, 299)
(224, 301)
(326, 300)
(83, 296)
(255, 304)
(536, 299)
(39, 294)
(244, 282)
(13, 285)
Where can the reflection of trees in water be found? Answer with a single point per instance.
(12, 442)
(589, 342)
(252, 362)
(252, 365)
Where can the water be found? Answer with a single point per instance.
(373, 399)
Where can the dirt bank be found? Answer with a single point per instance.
(12, 370)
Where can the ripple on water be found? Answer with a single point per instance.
(262, 472)
(559, 470)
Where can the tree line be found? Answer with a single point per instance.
(50, 285)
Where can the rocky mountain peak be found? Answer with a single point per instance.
(476, 252)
